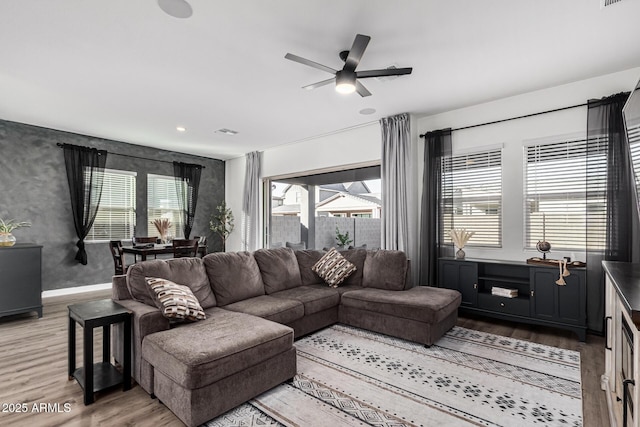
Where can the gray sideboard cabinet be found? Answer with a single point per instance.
(539, 299)
(21, 279)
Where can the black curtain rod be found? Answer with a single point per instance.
(515, 118)
(133, 157)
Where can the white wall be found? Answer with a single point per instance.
(513, 135)
(234, 187)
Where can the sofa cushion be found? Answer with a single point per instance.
(183, 271)
(422, 303)
(333, 268)
(176, 302)
(279, 268)
(234, 276)
(205, 352)
(385, 269)
(279, 310)
(313, 298)
(357, 258)
(306, 259)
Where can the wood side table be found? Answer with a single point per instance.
(94, 377)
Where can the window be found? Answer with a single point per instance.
(116, 217)
(472, 196)
(162, 202)
(556, 205)
(309, 208)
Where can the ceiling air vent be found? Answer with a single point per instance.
(605, 3)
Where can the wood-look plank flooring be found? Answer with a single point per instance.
(33, 372)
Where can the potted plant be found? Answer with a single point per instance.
(342, 239)
(6, 228)
(221, 222)
(163, 225)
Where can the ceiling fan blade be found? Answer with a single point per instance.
(318, 84)
(384, 72)
(362, 90)
(296, 58)
(356, 52)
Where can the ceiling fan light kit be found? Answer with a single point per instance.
(346, 80)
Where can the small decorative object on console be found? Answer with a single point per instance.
(460, 237)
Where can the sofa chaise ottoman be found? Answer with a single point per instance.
(207, 368)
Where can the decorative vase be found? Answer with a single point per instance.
(460, 254)
(7, 239)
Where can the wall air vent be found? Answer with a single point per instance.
(606, 3)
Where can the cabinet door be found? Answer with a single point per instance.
(468, 283)
(543, 298)
(572, 299)
(559, 303)
(461, 276)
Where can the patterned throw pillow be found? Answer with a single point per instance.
(333, 268)
(176, 302)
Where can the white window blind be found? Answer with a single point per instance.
(162, 202)
(633, 134)
(472, 196)
(556, 205)
(116, 217)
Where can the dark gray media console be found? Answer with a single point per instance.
(20, 279)
(539, 299)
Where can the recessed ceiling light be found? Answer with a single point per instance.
(181, 128)
(227, 131)
(367, 111)
(176, 8)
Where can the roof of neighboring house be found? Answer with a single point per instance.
(368, 199)
(285, 209)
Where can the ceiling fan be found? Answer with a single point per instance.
(347, 78)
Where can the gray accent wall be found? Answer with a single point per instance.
(34, 188)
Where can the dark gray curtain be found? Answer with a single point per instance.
(187, 184)
(433, 209)
(606, 134)
(85, 173)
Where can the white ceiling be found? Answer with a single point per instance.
(125, 70)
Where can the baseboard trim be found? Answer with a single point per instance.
(75, 290)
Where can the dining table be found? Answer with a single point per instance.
(156, 249)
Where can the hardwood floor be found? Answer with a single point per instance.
(33, 369)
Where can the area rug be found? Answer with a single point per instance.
(351, 377)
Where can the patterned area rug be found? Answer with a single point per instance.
(351, 377)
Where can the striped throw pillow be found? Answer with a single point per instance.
(333, 268)
(176, 302)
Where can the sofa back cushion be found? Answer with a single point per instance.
(234, 276)
(279, 268)
(385, 269)
(356, 257)
(189, 272)
(306, 259)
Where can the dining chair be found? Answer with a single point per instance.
(185, 248)
(118, 257)
(144, 240)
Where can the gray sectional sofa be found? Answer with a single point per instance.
(256, 304)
